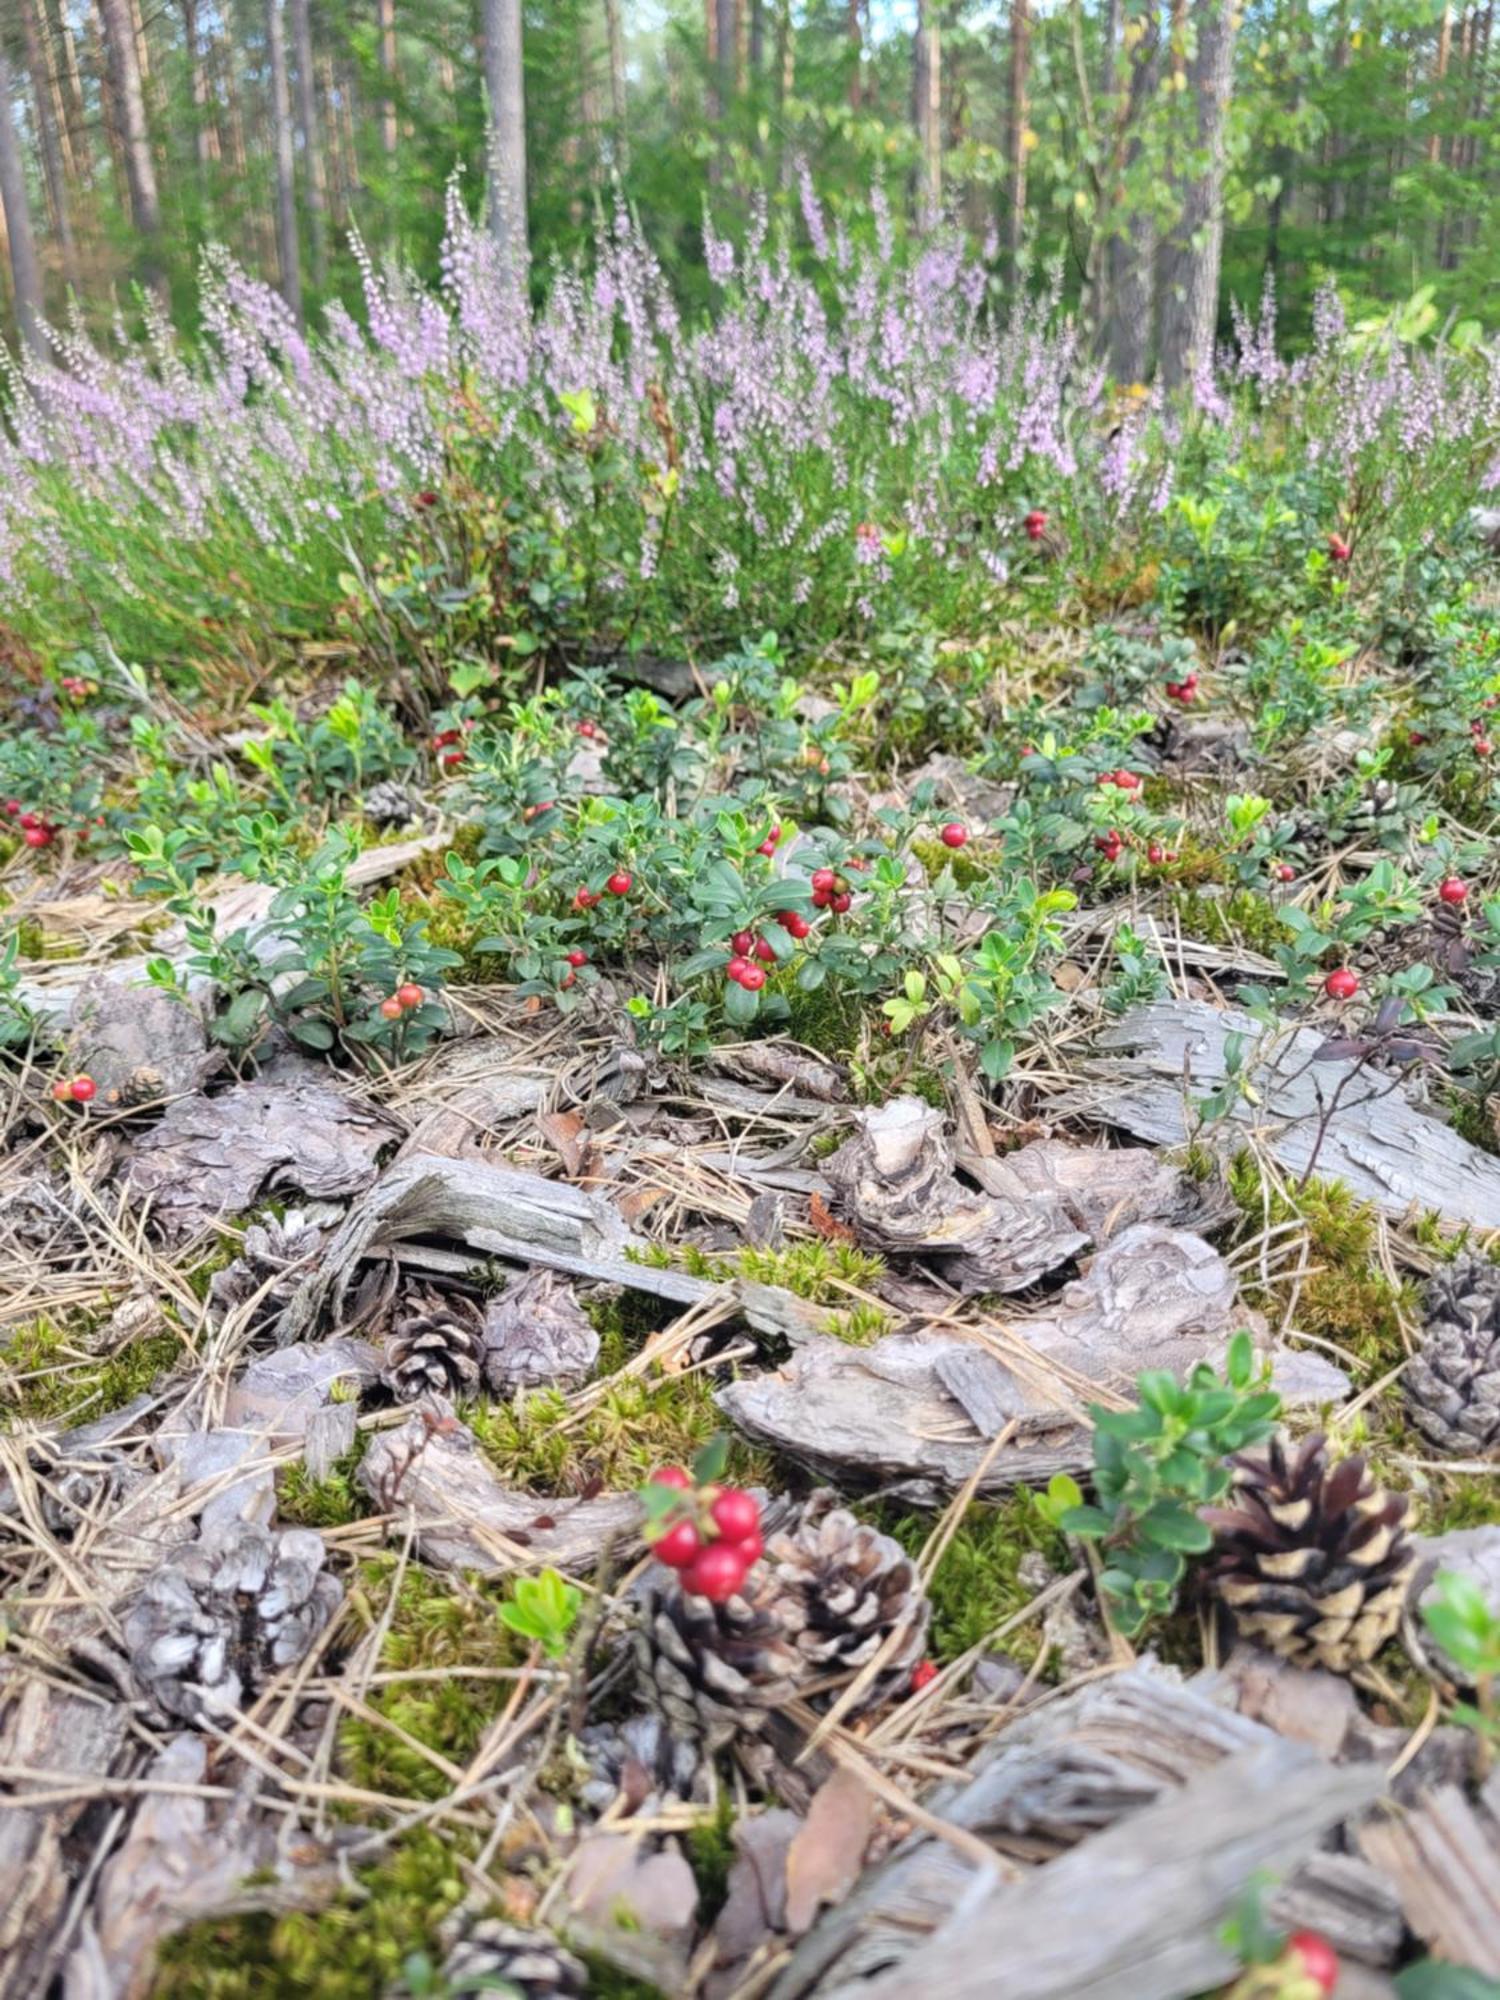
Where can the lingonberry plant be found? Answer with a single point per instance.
(706, 1531)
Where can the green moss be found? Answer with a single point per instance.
(331, 1502)
(827, 1019)
(976, 1586)
(449, 928)
(1244, 917)
(46, 1379)
(817, 1270)
(608, 1982)
(969, 865)
(1471, 1121)
(711, 1852)
(352, 1951)
(438, 1623)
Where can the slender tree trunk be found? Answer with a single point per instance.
(205, 138)
(1129, 251)
(614, 35)
(506, 84)
(1015, 193)
(49, 143)
(122, 53)
(70, 86)
(757, 39)
(927, 82)
(726, 49)
(314, 169)
(25, 271)
(1439, 75)
(786, 77)
(388, 131)
(1190, 289)
(288, 252)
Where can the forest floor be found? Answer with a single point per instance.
(352, 1297)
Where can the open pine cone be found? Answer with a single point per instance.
(435, 1348)
(273, 1256)
(221, 1617)
(1452, 1383)
(497, 1957)
(820, 1604)
(1312, 1560)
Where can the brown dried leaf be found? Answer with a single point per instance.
(824, 1860)
(824, 1223)
(565, 1129)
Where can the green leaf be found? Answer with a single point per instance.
(312, 1033)
(1090, 1522)
(1171, 1527)
(1432, 1980)
(708, 1466)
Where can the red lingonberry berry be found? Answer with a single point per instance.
(391, 1008)
(588, 728)
(824, 880)
(678, 1546)
(796, 925)
(31, 820)
(1156, 854)
(715, 1572)
(737, 967)
(13, 807)
(1341, 984)
(1036, 524)
(672, 1475)
(451, 759)
(735, 1514)
(410, 994)
(765, 951)
(753, 978)
(838, 904)
(1452, 890)
(38, 836)
(923, 1674)
(619, 883)
(1482, 746)
(743, 943)
(1317, 1957)
(62, 1090)
(1284, 872)
(751, 1547)
(1339, 549)
(585, 899)
(568, 979)
(84, 1089)
(1127, 781)
(954, 834)
(1415, 738)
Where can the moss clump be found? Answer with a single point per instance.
(826, 1019)
(439, 1625)
(1346, 1299)
(1241, 918)
(967, 864)
(819, 1271)
(711, 1852)
(330, 1502)
(46, 1379)
(351, 1951)
(447, 927)
(976, 1586)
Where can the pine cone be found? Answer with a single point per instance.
(1453, 1383)
(274, 1255)
(821, 1603)
(390, 803)
(1312, 1560)
(637, 1757)
(436, 1347)
(221, 1617)
(494, 1956)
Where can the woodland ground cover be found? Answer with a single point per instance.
(854, 680)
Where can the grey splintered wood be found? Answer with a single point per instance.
(25, 271)
(505, 84)
(1386, 1150)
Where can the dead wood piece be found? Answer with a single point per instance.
(782, 1063)
(182, 1860)
(537, 1336)
(1342, 1898)
(138, 1043)
(462, 1093)
(884, 1413)
(1100, 1190)
(1443, 1859)
(1378, 1141)
(492, 1212)
(432, 1471)
(1157, 1889)
(290, 1128)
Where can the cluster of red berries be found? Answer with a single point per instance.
(769, 845)
(1035, 524)
(1114, 843)
(1185, 690)
(1339, 549)
(449, 745)
(831, 891)
(618, 884)
(711, 1537)
(406, 996)
(76, 688)
(1127, 781)
(1482, 744)
(78, 1090)
(36, 829)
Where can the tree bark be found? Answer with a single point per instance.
(1439, 75)
(927, 79)
(314, 169)
(70, 96)
(786, 75)
(388, 131)
(615, 37)
(1190, 268)
(726, 50)
(507, 166)
(1015, 193)
(288, 251)
(49, 138)
(205, 134)
(122, 54)
(25, 271)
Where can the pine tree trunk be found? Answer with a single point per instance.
(288, 253)
(726, 49)
(49, 141)
(70, 92)
(1190, 268)
(121, 51)
(388, 131)
(1439, 75)
(786, 76)
(1015, 193)
(25, 271)
(314, 169)
(507, 167)
(205, 128)
(615, 37)
(927, 83)
(1129, 251)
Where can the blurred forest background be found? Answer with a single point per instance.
(1157, 159)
